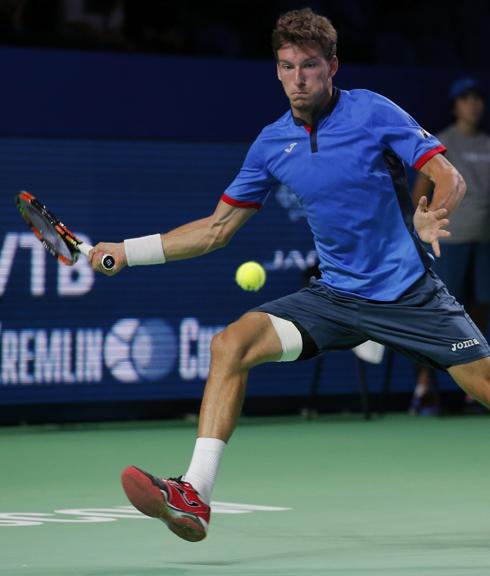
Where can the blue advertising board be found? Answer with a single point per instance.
(67, 334)
(145, 96)
(112, 150)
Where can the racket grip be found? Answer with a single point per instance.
(107, 260)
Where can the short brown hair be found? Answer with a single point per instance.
(305, 27)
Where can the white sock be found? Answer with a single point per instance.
(204, 466)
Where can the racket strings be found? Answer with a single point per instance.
(45, 230)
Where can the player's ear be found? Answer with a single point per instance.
(334, 66)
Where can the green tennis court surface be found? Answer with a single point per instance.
(396, 496)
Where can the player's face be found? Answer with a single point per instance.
(306, 76)
(469, 109)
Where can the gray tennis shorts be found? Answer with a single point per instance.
(426, 323)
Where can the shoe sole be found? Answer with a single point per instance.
(150, 500)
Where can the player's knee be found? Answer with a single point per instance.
(228, 346)
(218, 344)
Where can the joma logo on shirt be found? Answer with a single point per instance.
(290, 148)
(464, 344)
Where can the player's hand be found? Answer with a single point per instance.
(116, 250)
(430, 224)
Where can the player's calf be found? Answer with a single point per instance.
(245, 343)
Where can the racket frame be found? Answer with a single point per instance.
(74, 245)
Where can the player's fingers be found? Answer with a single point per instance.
(436, 248)
(442, 223)
(444, 233)
(93, 259)
(96, 260)
(115, 251)
(422, 205)
(98, 253)
(440, 213)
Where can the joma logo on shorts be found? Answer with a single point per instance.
(464, 344)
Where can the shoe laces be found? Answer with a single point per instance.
(178, 479)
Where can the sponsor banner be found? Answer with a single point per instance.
(69, 335)
(131, 350)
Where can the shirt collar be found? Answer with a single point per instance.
(324, 113)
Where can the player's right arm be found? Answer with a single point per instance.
(193, 239)
(205, 235)
(243, 197)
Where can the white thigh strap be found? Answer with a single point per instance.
(290, 337)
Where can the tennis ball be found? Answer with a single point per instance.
(250, 276)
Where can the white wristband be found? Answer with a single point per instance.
(144, 251)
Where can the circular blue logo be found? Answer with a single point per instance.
(136, 350)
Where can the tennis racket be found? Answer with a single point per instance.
(53, 234)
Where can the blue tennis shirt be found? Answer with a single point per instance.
(347, 170)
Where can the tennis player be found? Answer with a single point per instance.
(343, 154)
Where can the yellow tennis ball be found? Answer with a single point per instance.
(250, 276)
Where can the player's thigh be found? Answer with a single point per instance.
(473, 377)
(249, 341)
(481, 271)
(427, 324)
(297, 326)
(312, 321)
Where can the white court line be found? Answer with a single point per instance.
(100, 515)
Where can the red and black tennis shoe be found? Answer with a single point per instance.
(172, 501)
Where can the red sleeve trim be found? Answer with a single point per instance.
(240, 203)
(428, 155)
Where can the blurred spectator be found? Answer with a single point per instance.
(218, 32)
(29, 22)
(160, 26)
(397, 33)
(464, 264)
(371, 31)
(97, 22)
(10, 19)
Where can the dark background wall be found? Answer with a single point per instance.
(403, 33)
(118, 95)
(163, 108)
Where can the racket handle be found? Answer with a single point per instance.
(107, 260)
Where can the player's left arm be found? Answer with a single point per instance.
(430, 220)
